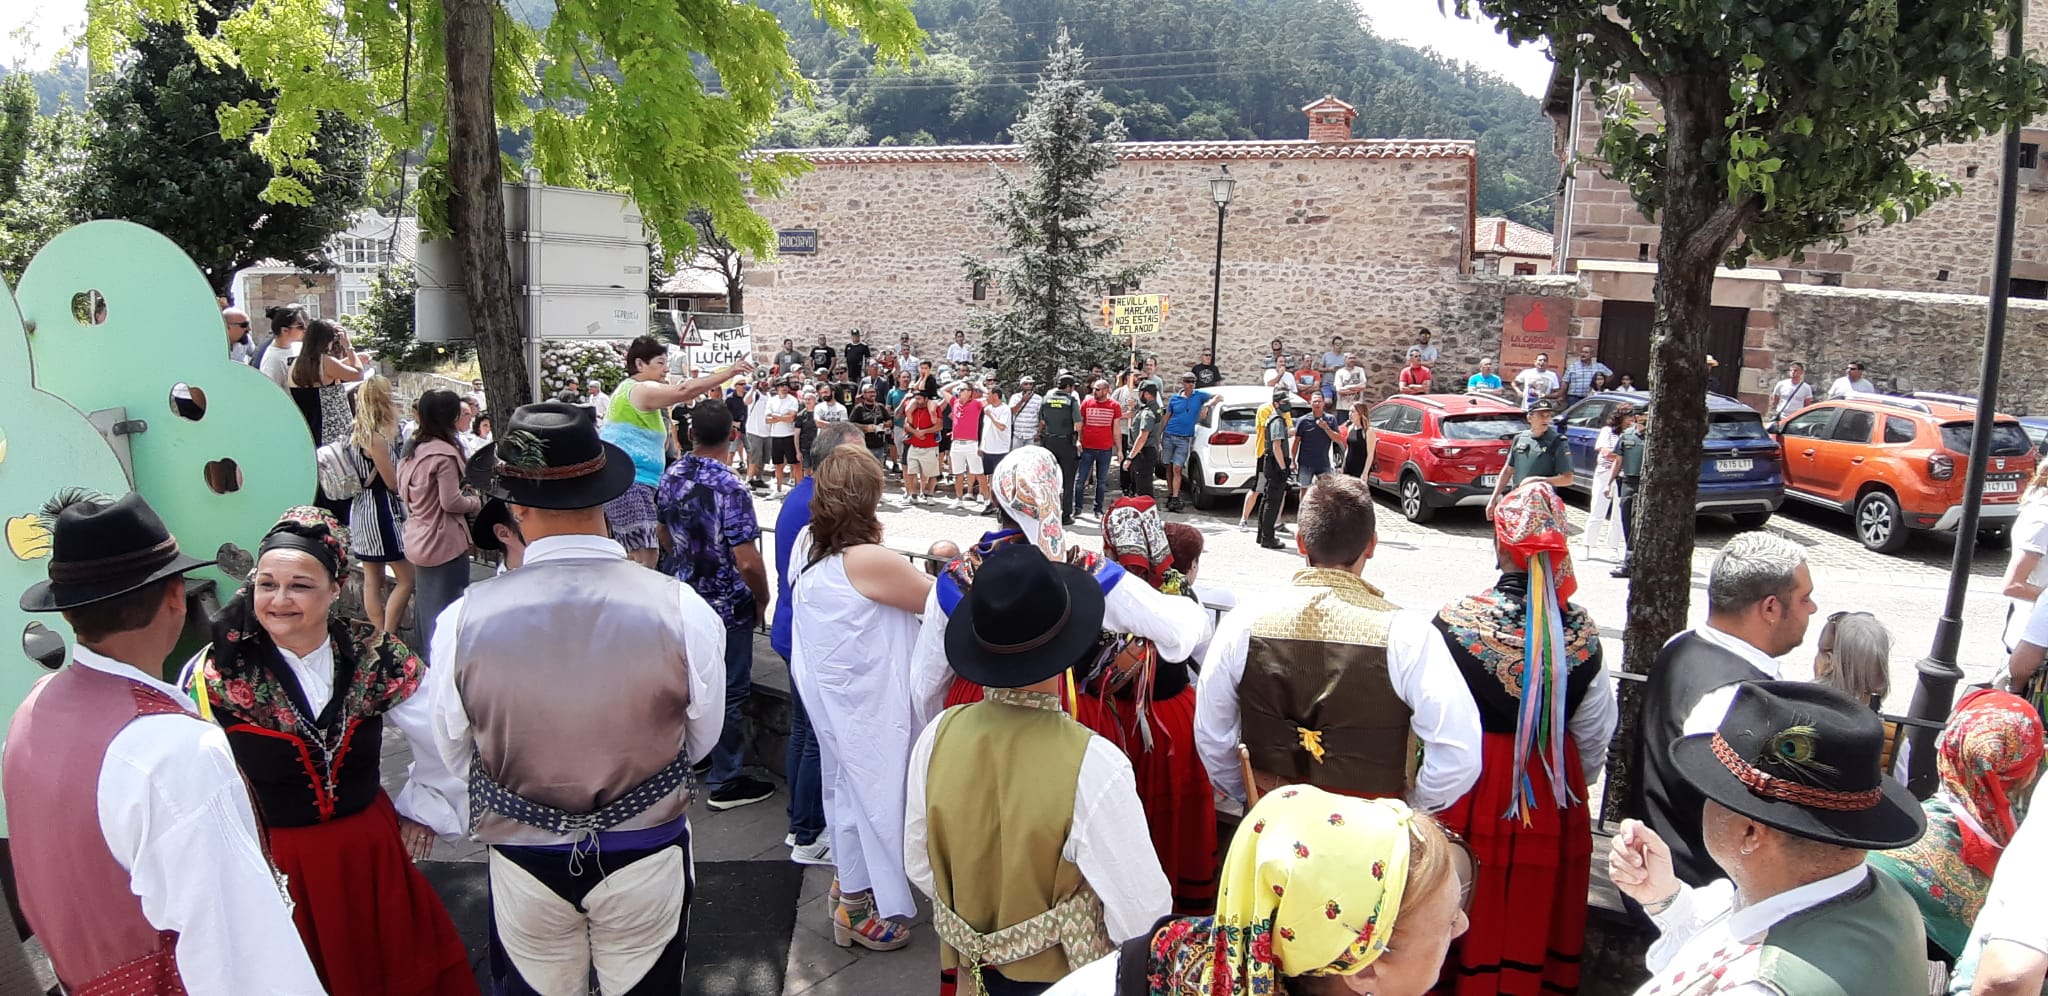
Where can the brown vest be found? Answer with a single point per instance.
(74, 892)
(576, 678)
(1315, 677)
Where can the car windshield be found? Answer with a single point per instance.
(1497, 426)
(2007, 438)
(1735, 425)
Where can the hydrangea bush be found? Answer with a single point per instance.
(575, 363)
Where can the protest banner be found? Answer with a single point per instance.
(721, 347)
(1136, 314)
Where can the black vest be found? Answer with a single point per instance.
(1687, 669)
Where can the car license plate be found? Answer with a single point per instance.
(1736, 466)
(1488, 480)
(2010, 487)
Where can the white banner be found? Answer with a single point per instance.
(721, 347)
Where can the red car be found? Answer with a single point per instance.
(1437, 451)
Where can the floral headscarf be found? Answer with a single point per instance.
(1991, 745)
(1027, 484)
(1134, 536)
(1312, 886)
(1529, 524)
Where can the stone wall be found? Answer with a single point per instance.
(271, 289)
(1368, 241)
(1913, 342)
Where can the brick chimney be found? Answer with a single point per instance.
(1329, 120)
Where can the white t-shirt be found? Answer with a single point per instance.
(1844, 387)
(757, 414)
(829, 410)
(995, 438)
(959, 354)
(277, 363)
(2012, 909)
(1535, 384)
(780, 405)
(1349, 379)
(2029, 535)
(1788, 397)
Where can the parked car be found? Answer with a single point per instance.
(1740, 472)
(1437, 451)
(1222, 462)
(1897, 466)
(2036, 428)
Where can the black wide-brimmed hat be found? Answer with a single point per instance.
(482, 532)
(100, 551)
(1807, 760)
(548, 455)
(1025, 620)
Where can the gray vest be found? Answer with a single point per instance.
(575, 677)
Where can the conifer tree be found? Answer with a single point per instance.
(1062, 248)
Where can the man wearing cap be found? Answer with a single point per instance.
(1186, 410)
(1017, 818)
(1059, 427)
(1143, 454)
(134, 843)
(1025, 407)
(856, 355)
(1275, 450)
(1795, 798)
(1538, 453)
(624, 670)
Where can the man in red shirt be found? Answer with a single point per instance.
(965, 457)
(1415, 378)
(1099, 415)
(921, 448)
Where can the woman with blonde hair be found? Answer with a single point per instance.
(372, 527)
(853, 622)
(1854, 655)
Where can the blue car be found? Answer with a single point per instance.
(1742, 473)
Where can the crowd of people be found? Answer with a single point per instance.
(1037, 735)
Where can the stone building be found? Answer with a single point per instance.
(1329, 235)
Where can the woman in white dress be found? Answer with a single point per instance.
(2026, 572)
(1603, 523)
(853, 627)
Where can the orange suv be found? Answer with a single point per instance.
(1896, 465)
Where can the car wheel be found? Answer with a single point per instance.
(1191, 480)
(1878, 524)
(1415, 506)
(1995, 539)
(1751, 520)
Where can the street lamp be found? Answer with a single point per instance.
(1220, 187)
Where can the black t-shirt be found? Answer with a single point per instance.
(821, 358)
(844, 392)
(738, 408)
(928, 385)
(857, 359)
(1206, 375)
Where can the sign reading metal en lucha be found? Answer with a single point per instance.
(796, 241)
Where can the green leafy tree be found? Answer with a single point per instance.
(17, 121)
(157, 158)
(45, 200)
(385, 325)
(605, 90)
(1781, 127)
(1062, 246)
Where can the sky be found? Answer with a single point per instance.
(1414, 22)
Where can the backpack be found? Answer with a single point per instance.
(340, 470)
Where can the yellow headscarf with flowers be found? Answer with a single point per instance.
(1311, 886)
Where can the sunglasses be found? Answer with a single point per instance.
(239, 325)
(1467, 864)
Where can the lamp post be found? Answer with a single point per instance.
(1220, 187)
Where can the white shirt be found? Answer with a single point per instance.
(277, 363)
(176, 816)
(959, 354)
(1429, 352)
(1789, 397)
(1175, 625)
(1706, 715)
(1703, 921)
(1844, 387)
(2029, 535)
(1107, 840)
(1422, 671)
(777, 404)
(703, 641)
(829, 411)
(1350, 384)
(757, 414)
(2012, 909)
(1536, 384)
(432, 794)
(995, 426)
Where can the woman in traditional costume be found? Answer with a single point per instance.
(303, 699)
(1144, 703)
(1989, 757)
(1532, 662)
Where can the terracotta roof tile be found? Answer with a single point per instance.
(1521, 239)
(1368, 148)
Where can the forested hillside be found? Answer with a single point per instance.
(1173, 69)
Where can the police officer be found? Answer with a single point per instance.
(1634, 442)
(1059, 420)
(1276, 466)
(1538, 453)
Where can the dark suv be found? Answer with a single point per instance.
(1741, 470)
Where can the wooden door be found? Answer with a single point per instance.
(1724, 344)
(1625, 343)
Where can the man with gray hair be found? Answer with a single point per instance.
(1759, 597)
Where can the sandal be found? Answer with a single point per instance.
(854, 921)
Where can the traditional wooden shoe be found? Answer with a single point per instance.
(854, 921)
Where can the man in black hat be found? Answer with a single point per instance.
(1538, 453)
(993, 784)
(572, 695)
(1796, 796)
(134, 844)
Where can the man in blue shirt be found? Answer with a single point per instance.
(1184, 411)
(1485, 379)
(807, 843)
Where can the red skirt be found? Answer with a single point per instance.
(371, 922)
(1529, 906)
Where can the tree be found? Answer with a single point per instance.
(605, 90)
(386, 325)
(45, 200)
(157, 158)
(1062, 246)
(1783, 126)
(17, 121)
(717, 254)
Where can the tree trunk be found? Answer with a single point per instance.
(736, 287)
(477, 208)
(1697, 226)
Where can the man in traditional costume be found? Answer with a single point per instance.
(1027, 493)
(1023, 827)
(572, 696)
(1331, 685)
(135, 848)
(1795, 799)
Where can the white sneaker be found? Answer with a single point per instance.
(817, 852)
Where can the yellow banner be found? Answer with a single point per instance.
(1136, 314)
